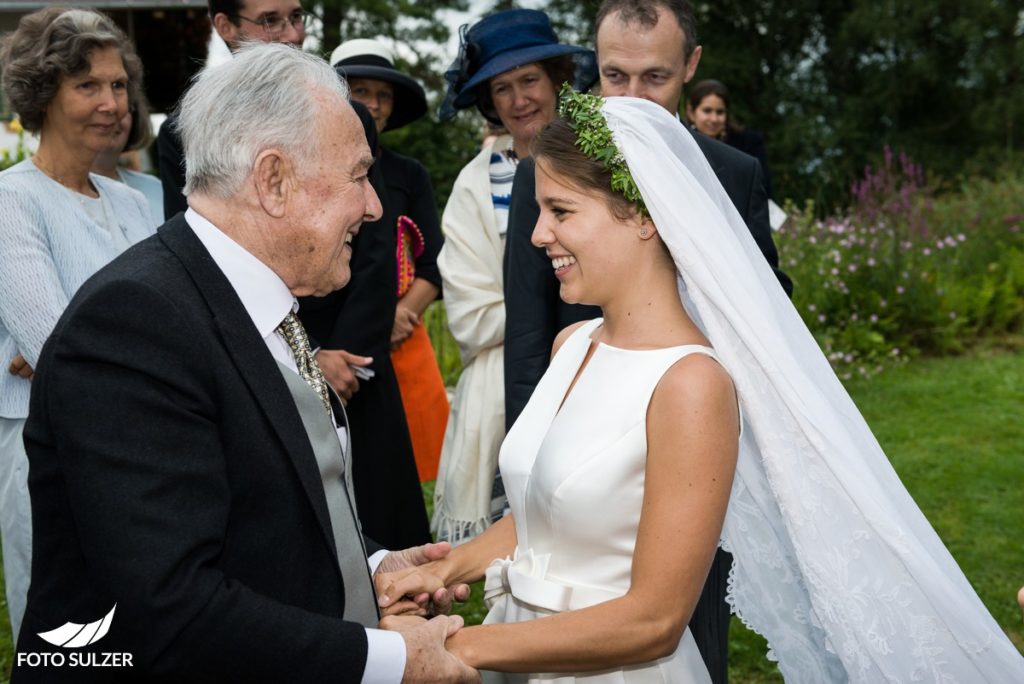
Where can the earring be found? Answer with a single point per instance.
(643, 232)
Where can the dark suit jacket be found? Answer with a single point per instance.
(752, 143)
(170, 474)
(534, 313)
(170, 162)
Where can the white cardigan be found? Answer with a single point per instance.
(49, 246)
(470, 264)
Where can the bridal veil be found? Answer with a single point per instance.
(833, 561)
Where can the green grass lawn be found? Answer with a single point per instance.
(954, 429)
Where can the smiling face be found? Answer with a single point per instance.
(709, 116)
(592, 251)
(84, 114)
(332, 199)
(648, 63)
(524, 99)
(378, 96)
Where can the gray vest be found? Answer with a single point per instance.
(360, 599)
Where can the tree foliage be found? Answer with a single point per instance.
(830, 84)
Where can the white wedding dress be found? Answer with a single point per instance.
(575, 482)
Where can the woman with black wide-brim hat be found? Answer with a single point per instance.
(394, 100)
(511, 66)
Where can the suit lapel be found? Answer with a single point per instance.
(253, 362)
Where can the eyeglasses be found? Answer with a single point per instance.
(275, 24)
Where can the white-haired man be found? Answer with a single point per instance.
(236, 22)
(188, 462)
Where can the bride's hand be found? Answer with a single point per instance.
(428, 597)
(419, 590)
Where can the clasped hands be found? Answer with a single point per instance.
(411, 582)
(19, 366)
(410, 587)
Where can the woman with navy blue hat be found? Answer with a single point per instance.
(510, 66)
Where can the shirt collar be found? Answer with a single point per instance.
(264, 295)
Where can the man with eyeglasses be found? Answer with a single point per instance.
(236, 21)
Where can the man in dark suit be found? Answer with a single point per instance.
(646, 49)
(189, 466)
(235, 21)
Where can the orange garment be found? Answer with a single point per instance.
(419, 379)
(424, 398)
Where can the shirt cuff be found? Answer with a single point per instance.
(375, 560)
(385, 657)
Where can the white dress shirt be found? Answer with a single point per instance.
(267, 300)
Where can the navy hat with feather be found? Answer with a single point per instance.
(502, 42)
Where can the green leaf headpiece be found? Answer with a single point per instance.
(594, 139)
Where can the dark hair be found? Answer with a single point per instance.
(555, 148)
(51, 44)
(644, 13)
(141, 133)
(710, 86)
(560, 69)
(228, 7)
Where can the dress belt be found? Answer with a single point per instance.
(523, 577)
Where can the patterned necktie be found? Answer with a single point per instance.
(309, 370)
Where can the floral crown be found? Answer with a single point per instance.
(594, 139)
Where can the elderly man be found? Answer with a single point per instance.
(347, 328)
(646, 49)
(189, 465)
(236, 22)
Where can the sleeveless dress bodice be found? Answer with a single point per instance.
(574, 475)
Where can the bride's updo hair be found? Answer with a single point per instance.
(555, 148)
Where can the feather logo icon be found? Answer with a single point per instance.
(74, 635)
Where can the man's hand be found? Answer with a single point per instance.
(426, 659)
(19, 366)
(337, 367)
(416, 568)
(405, 323)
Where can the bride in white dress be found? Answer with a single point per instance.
(629, 465)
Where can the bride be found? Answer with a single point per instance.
(699, 410)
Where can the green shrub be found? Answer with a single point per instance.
(907, 271)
